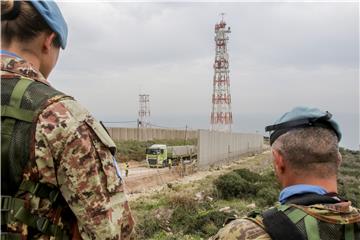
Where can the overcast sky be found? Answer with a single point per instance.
(281, 55)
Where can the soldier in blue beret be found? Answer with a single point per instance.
(59, 177)
(306, 158)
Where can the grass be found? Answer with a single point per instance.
(135, 150)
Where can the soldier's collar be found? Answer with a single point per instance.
(19, 66)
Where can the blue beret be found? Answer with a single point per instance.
(302, 117)
(51, 13)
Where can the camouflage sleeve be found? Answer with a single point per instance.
(241, 229)
(86, 173)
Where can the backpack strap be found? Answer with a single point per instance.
(13, 112)
(273, 219)
(288, 217)
(312, 228)
(40, 190)
(349, 232)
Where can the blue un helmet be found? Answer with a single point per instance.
(302, 117)
(51, 13)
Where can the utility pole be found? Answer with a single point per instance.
(186, 133)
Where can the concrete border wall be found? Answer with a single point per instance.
(145, 134)
(216, 147)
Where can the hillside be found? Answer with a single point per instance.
(196, 209)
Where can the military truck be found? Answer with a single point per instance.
(158, 155)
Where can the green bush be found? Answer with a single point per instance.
(348, 183)
(204, 224)
(248, 175)
(209, 223)
(183, 219)
(232, 185)
(147, 227)
(242, 183)
(182, 201)
(266, 196)
(349, 191)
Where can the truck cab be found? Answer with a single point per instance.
(156, 155)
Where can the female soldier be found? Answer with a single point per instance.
(58, 174)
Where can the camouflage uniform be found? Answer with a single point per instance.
(252, 228)
(73, 152)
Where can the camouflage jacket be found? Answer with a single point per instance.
(253, 228)
(72, 152)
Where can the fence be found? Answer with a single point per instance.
(216, 147)
(213, 147)
(146, 134)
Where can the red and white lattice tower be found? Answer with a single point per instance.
(144, 110)
(221, 115)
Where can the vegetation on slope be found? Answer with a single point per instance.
(349, 185)
(199, 209)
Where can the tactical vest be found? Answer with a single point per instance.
(22, 100)
(308, 222)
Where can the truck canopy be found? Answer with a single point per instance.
(157, 146)
(181, 150)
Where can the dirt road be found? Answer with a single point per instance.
(141, 179)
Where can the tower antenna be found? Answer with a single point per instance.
(221, 114)
(144, 111)
(222, 16)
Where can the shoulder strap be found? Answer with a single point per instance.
(279, 226)
(10, 113)
(13, 110)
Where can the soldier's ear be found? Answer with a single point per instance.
(279, 162)
(339, 160)
(48, 41)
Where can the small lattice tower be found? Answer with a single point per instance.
(221, 115)
(144, 110)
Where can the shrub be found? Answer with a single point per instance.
(147, 227)
(348, 176)
(243, 183)
(204, 224)
(183, 201)
(232, 185)
(266, 196)
(183, 219)
(209, 223)
(248, 175)
(349, 191)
